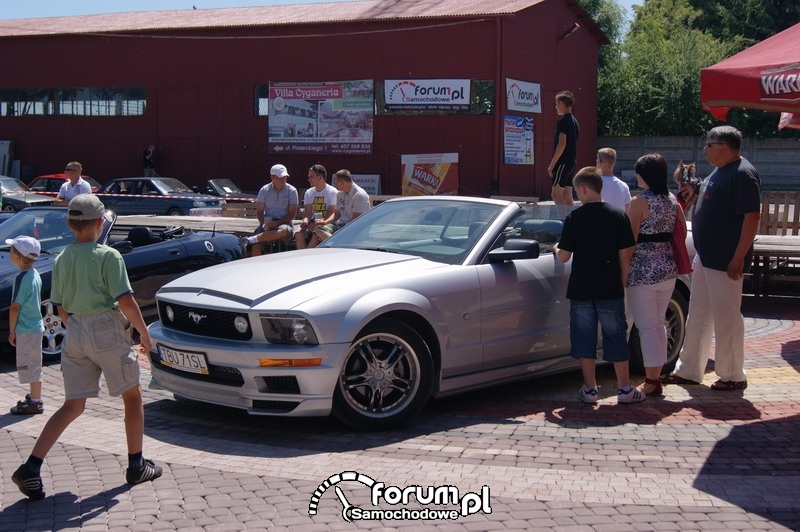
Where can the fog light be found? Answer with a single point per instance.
(241, 324)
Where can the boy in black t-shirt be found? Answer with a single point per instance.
(600, 237)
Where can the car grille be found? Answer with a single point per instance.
(205, 322)
(224, 375)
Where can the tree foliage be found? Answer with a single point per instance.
(649, 78)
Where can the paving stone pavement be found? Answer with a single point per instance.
(693, 460)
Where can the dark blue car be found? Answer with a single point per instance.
(153, 195)
(153, 254)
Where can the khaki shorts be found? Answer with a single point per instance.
(29, 357)
(95, 344)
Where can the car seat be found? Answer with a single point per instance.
(546, 232)
(141, 236)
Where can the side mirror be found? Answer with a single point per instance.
(515, 249)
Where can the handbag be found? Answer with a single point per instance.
(678, 244)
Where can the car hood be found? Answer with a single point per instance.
(285, 280)
(29, 197)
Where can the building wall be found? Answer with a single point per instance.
(200, 95)
(533, 52)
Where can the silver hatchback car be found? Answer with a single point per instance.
(417, 298)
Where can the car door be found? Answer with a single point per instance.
(152, 266)
(525, 309)
(118, 198)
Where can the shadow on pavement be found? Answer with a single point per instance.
(62, 511)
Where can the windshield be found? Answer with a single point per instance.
(224, 186)
(12, 185)
(442, 231)
(49, 226)
(171, 185)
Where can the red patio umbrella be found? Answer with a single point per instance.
(765, 76)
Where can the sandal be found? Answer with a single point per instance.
(728, 386)
(672, 378)
(658, 389)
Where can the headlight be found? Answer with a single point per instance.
(288, 330)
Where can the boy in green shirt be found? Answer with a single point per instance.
(95, 301)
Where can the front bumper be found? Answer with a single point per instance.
(237, 380)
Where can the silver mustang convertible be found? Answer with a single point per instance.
(419, 297)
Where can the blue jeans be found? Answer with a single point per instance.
(584, 315)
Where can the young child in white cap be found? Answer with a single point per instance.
(25, 322)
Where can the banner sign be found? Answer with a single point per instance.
(421, 94)
(371, 183)
(429, 174)
(334, 117)
(523, 96)
(518, 139)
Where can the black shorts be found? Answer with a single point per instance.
(563, 174)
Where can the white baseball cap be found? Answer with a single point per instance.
(27, 246)
(279, 171)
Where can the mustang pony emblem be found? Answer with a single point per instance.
(196, 318)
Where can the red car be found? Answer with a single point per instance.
(50, 184)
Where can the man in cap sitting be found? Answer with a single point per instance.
(276, 207)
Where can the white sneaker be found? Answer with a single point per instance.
(588, 395)
(631, 395)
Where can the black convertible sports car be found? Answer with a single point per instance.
(154, 255)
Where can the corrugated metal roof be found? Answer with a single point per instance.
(151, 21)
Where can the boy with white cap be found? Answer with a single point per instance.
(94, 298)
(25, 322)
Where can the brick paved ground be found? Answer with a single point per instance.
(694, 460)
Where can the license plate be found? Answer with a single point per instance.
(183, 360)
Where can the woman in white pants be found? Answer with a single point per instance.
(652, 273)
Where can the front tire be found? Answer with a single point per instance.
(9, 208)
(54, 330)
(175, 211)
(675, 322)
(386, 378)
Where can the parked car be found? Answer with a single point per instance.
(153, 254)
(153, 195)
(416, 298)
(226, 189)
(50, 184)
(15, 195)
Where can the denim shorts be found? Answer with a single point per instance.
(584, 316)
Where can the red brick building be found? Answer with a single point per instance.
(100, 88)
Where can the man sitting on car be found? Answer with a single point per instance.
(276, 207)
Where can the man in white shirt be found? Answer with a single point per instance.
(351, 202)
(319, 203)
(615, 191)
(75, 184)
